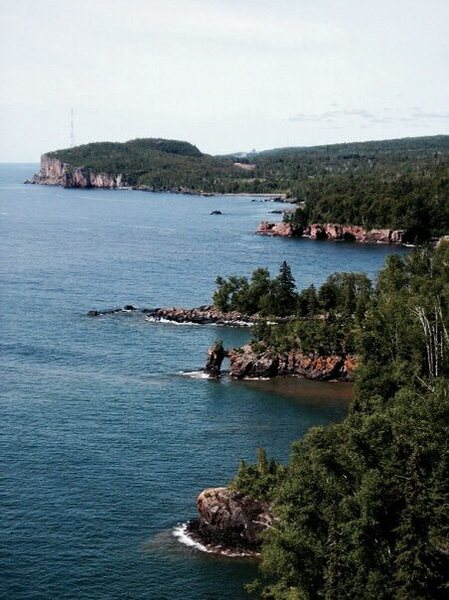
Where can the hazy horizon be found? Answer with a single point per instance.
(223, 75)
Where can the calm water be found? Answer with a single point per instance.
(104, 444)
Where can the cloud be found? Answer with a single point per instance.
(387, 115)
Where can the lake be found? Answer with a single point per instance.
(105, 441)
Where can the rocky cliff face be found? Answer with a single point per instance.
(228, 520)
(334, 232)
(55, 172)
(280, 229)
(246, 363)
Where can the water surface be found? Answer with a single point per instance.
(104, 443)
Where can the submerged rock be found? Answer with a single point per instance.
(229, 520)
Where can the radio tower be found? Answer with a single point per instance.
(72, 128)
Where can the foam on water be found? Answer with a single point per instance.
(180, 532)
(195, 374)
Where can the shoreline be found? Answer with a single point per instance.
(280, 197)
(187, 535)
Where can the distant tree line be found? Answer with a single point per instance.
(400, 184)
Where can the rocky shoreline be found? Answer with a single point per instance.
(201, 315)
(54, 172)
(249, 361)
(334, 232)
(230, 523)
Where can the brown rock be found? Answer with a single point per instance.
(232, 519)
(334, 231)
(247, 363)
(215, 357)
(278, 229)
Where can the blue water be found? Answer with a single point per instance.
(104, 444)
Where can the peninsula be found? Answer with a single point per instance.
(396, 185)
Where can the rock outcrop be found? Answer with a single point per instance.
(334, 232)
(55, 172)
(355, 233)
(247, 363)
(215, 356)
(230, 521)
(202, 315)
(279, 229)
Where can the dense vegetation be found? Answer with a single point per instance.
(402, 184)
(363, 505)
(156, 164)
(323, 320)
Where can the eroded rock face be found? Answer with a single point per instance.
(356, 233)
(246, 363)
(231, 519)
(279, 229)
(55, 172)
(215, 356)
(334, 232)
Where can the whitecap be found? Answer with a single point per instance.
(180, 532)
(169, 321)
(195, 374)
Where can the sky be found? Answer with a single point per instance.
(225, 75)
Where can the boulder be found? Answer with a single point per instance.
(230, 519)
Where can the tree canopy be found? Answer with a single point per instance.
(363, 506)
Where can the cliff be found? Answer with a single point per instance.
(55, 172)
(279, 229)
(248, 363)
(230, 522)
(334, 232)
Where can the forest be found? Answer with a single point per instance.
(399, 184)
(363, 505)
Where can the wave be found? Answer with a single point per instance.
(180, 532)
(218, 324)
(194, 374)
(169, 321)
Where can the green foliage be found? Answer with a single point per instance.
(416, 202)
(362, 508)
(259, 480)
(260, 295)
(400, 184)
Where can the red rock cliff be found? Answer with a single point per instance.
(334, 232)
(247, 363)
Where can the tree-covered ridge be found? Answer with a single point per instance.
(156, 164)
(417, 202)
(281, 170)
(363, 506)
(397, 184)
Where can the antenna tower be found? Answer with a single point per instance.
(72, 128)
